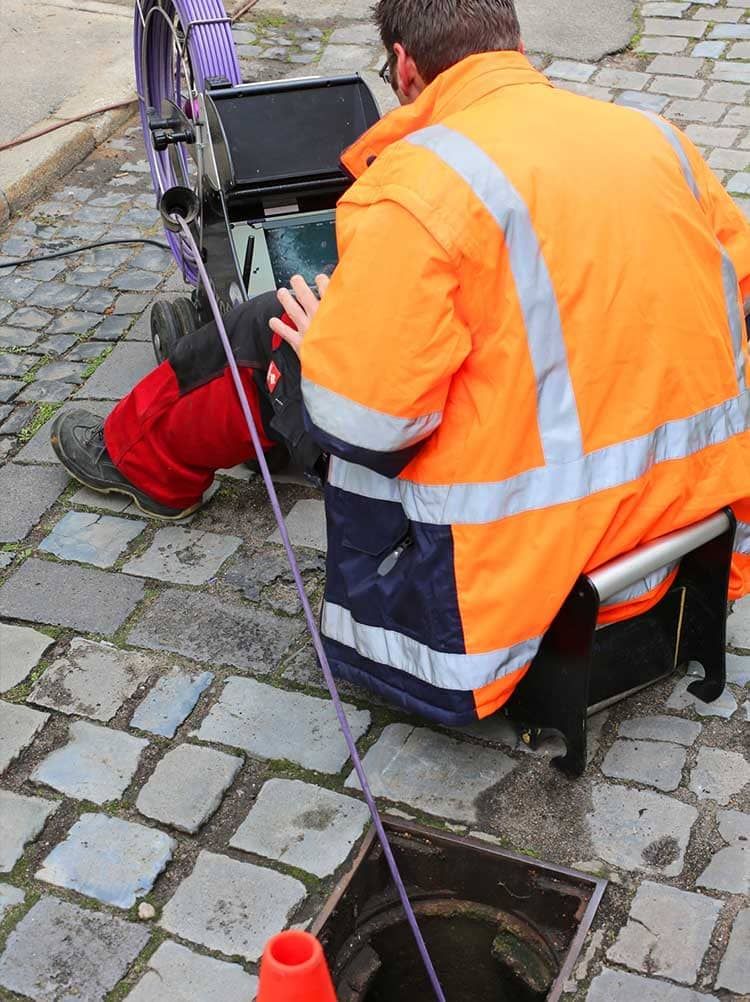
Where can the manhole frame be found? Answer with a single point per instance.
(587, 882)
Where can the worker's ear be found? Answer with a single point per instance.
(522, 48)
(407, 78)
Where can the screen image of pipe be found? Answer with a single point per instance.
(294, 969)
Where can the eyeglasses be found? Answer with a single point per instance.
(386, 73)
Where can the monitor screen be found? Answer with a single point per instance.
(306, 249)
(296, 133)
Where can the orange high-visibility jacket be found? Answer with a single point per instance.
(531, 359)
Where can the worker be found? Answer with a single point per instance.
(530, 359)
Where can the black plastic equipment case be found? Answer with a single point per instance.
(275, 147)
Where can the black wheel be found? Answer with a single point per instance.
(187, 315)
(170, 322)
(165, 330)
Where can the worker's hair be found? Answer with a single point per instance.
(438, 34)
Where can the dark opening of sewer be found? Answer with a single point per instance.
(499, 927)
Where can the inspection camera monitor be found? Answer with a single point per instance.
(274, 177)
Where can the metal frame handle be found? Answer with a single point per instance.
(613, 577)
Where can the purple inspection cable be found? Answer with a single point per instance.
(310, 618)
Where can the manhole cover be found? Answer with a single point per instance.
(500, 927)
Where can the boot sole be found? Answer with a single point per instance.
(60, 453)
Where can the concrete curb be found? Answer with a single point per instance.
(27, 170)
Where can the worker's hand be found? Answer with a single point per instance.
(300, 305)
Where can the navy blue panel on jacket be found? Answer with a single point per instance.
(414, 595)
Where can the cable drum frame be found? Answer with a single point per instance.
(172, 38)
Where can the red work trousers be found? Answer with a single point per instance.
(183, 422)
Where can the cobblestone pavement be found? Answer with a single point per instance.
(159, 816)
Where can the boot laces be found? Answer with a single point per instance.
(93, 438)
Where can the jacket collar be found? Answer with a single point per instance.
(454, 90)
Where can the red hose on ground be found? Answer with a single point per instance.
(234, 16)
(65, 121)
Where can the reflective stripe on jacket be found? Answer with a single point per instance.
(531, 359)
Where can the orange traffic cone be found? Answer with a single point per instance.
(293, 969)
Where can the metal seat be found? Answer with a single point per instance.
(581, 669)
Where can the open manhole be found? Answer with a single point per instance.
(500, 927)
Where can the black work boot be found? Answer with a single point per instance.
(78, 440)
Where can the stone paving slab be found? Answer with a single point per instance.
(9, 897)
(183, 556)
(118, 503)
(176, 974)
(85, 953)
(230, 906)
(45, 392)
(725, 706)
(81, 598)
(20, 651)
(170, 702)
(719, 775)
(132, 303)
(302, 825)
(661, 728)
(112, 327)
(91, 539)
(118, 374)
(306, 524)
(93, 680)
(9, 388)
(734, 973)
(96, 301)
(29, 316)
(251, 574)
(650, 763)
(618, 986)
(738, 624)
(668, 932)
(14, 420)
(97, 764)
(15, 365)
(213, 630)
(734, 827)
(17, 337)
(27, 493)
(108, 859)
(728, 871)
(58, 344)
(432, 772)
(21, 820)
(187, 786)
(19, 725)
(66, 372)
(640, 830)
(738, 669)
(76, 322)
(256, 718)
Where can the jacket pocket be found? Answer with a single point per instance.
(377, 540)
(390, 572)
